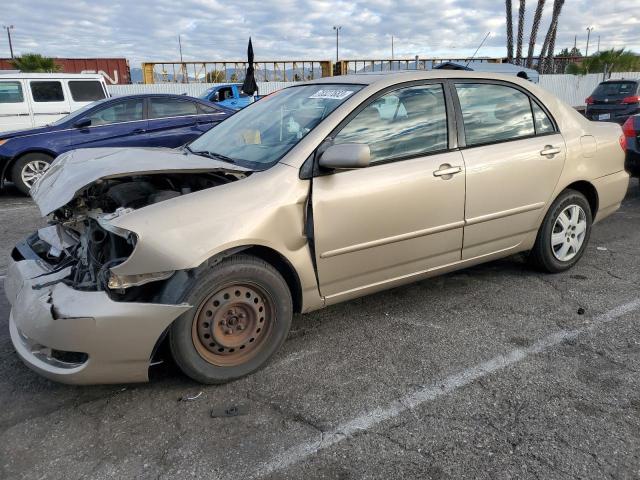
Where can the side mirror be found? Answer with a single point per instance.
(346, 156)
(82, 123)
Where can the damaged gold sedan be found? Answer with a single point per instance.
(316, 194)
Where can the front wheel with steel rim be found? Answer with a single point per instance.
(241, 316)
(563, 234)
(29, 168)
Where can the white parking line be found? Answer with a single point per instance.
(368, 420)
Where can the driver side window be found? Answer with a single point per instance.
(408, 122)
(126, 111)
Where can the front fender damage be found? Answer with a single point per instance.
(50, 320)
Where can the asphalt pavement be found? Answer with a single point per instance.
(493, 372)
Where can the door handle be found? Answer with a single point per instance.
(138, 130)
(446, 171)
(549, 151)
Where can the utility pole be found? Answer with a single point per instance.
(8, 28)
(391, 47)
(598, 51)
(589, 30)
(185, 79)
(337, 29)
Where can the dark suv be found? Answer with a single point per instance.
(614, 101)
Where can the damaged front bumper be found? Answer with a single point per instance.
(80, 337)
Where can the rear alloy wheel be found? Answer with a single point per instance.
(29, 168)
(568, 233)
(241, 316)
(564, 233)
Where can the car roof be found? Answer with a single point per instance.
(155, 95)
(55, 76)
(618, 80)
(390, 78)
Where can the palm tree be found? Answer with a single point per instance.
(546, 53)
(548, 66)
(34, 62)
(520, 32)
(509, 32)
(534, 32)
(607, 61)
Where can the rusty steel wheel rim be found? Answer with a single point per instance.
(232, 324)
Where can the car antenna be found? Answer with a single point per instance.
(479, 46)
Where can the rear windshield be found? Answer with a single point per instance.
(614, 89)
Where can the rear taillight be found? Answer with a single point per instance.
(633, 99)
(589, 101)
(628, 128)
(628, 131)
(623, 143)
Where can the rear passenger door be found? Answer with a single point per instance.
(172, 121)
(514, 156)
(14, 108)
(117, 124)
(49, 102)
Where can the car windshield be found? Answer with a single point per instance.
(262, 133)
(78, 113)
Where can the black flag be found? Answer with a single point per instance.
(250, 86)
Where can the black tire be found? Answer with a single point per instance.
(542, 255)
(202, 362)
(20, 164)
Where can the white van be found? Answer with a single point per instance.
(35, 99)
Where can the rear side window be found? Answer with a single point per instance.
(47, 91)
(86, 91)
(11, 92)
(125, 111)
(407, 122)
(543, 122)
(494, 113)
(207, 109)
(171, 107)
(615, 89)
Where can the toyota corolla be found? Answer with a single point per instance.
(317, 194)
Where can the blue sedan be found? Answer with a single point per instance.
(149, 120)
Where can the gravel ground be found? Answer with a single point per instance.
(490, 372)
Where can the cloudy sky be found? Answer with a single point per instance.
(218, 29)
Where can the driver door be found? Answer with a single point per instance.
(393, 221)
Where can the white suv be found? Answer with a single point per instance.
(34, 99)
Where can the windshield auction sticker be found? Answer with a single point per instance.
(332, 94)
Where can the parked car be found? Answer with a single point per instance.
(150, 120)
(631, 129)
(229, 96)
(614, 101)
(304, 199)
(35, 99)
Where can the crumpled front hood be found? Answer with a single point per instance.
(73, 171)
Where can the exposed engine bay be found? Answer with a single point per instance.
(80, 238)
